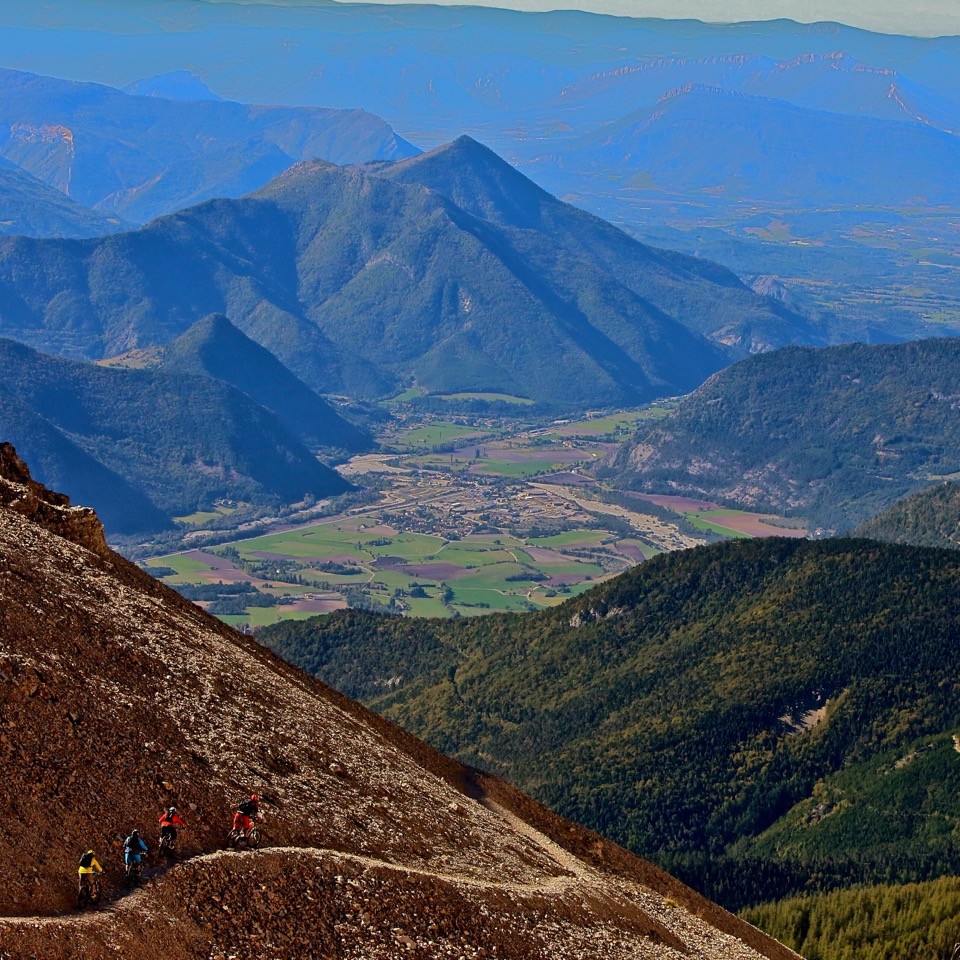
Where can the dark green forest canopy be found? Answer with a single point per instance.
(761, 717)
(930, 518)
(888, 922)
(834, 435)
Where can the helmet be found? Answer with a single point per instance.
(172, 811)
(255, 797)
(134, 833)
(89, 853)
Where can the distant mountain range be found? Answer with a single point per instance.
(728, 145)
(148, 445)
(494, 67)
(363, 280)
(762, 716)
(137, 157)
(930, 518)
(588, 106)
(834, 435)
(834, 82)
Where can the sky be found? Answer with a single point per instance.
(913, 17)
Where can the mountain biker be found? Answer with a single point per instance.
(169, 821)
(133, 849)
(89, 865)
(247, 812)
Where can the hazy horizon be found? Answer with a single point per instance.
(929, 18)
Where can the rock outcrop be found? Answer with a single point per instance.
(50, 510)
(118, 697)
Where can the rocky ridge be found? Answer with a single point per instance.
(118, 697)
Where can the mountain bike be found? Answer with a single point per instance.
(89, 893)
(244, 839)
(168, 844)
(133, 873)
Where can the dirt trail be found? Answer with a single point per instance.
(576, 872)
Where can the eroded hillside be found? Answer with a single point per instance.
(118, 697)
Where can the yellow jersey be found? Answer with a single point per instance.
(93, 868)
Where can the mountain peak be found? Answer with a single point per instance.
(212, 325)
(215, 347)
(175, 85)
(477, 180)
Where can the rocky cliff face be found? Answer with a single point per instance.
(50, 510)
(117, 698)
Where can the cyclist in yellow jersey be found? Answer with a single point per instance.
(89, 865)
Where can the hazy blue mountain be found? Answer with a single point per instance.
(214, 347)
(137, 157)
(700, 139)
(175, 85)
(360, 282)
(834, 82)
(146, 445)
(835, 434)
(30, 207)
(492, 64)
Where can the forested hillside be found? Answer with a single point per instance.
(362, 280)
(832, 435)
(877, 923)
(930, 518)
(144, 446)
(763, 717)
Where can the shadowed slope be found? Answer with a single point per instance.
(214, 347)
(30, 208)
(177, 441)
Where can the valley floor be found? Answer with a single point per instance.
(472, 516)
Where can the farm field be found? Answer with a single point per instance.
(616, 426)
(515, 458)
(330, 565)
(487, 398)
(436, 434)
(205, 516)
(727, 522)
